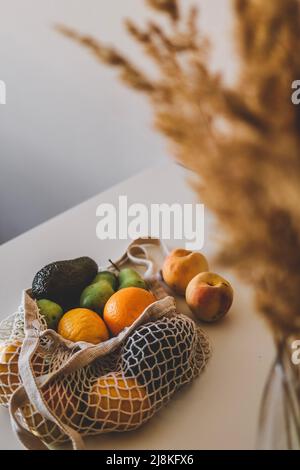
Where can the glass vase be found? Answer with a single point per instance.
(279, 422)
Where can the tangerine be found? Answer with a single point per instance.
(118, 400)
(61, 398)
(9, 369)
(125, 306)
(82, 324)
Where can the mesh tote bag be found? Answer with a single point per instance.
(59, 391)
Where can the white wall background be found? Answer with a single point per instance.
(69, 129)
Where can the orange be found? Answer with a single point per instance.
(9, 370)
(125, 306)
(82, 324)
(61, 398)
(118, 402)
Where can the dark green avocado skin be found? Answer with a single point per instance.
(63, 281)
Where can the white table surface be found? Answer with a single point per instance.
(219, 410)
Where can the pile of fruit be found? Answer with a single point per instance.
(84, 305)
(208, 295)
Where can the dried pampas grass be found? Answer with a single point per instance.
(243, 142)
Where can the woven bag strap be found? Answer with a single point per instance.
(30, 391)
(137, 253)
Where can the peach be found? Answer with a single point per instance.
(209, 296)
(180, 266)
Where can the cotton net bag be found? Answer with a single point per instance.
(58, 391)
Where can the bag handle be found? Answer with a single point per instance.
(29, 440)
(31, 387)
(139, 247)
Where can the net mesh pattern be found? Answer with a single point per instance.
(117, 392)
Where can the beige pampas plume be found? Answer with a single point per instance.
(243, 145)
(243, 142)
(167, 6)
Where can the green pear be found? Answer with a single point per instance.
(107, 276)
(51, 311)
(128, 277)
(95, 296)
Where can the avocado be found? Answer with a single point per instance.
(63, 281)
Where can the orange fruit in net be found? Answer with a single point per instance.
(125, 306)
(82, 324)
(61, 398)
(118, 402)
(9, 369)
